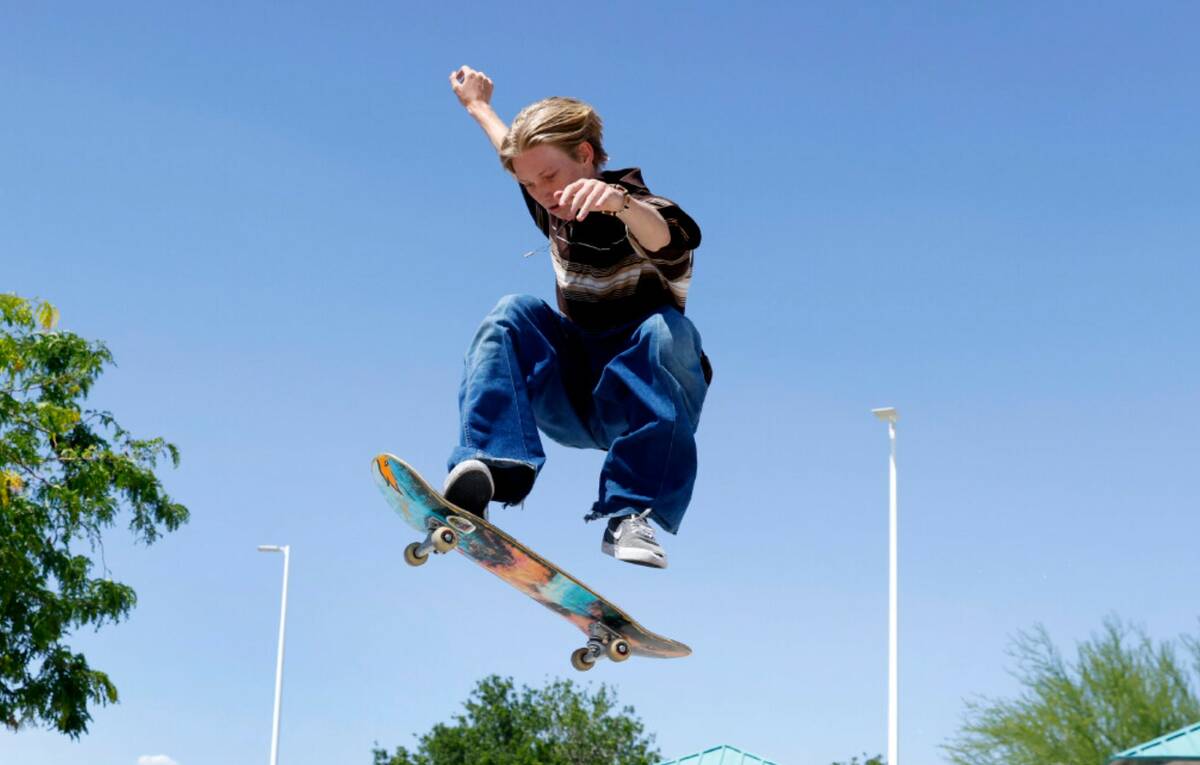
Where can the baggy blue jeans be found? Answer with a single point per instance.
(635, 392)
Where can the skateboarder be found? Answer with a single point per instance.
(617, 367)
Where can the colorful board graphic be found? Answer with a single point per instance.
(424, 508)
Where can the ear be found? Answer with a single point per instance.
(586, 154)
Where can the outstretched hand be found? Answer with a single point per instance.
(470, 86)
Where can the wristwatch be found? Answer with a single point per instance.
(624, 192)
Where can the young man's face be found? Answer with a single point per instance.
(545, 170)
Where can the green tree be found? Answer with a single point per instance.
(66, 474)
(1121, 690)
(876, 760)
(559, 724)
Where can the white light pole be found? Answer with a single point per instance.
(890, 415)
(285, 549)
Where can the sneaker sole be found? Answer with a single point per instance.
(634, 555)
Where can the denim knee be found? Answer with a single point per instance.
(676, 348)
(511, 315)
(675, 341)
(510, 307)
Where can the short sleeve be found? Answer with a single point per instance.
(685, 233)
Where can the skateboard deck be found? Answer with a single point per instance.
(611, 633)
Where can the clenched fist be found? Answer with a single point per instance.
(470, 86)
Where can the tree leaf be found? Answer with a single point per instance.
(47, 316)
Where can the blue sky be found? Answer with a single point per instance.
(286, 229)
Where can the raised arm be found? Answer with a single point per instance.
(474, 91)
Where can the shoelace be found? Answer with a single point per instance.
(639, 526)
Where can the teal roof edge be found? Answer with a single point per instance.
(719, 755)
(1182, 745)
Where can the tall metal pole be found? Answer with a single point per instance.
(286, 550)
(890, 415)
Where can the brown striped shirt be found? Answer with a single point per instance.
(604, 277)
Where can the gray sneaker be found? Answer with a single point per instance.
(470, 486)
(631, 539)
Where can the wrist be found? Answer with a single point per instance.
(625, 199)
(479, 109)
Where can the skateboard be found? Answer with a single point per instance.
(611, 633)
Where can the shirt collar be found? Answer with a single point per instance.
(630, 177)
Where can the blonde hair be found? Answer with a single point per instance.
(567, 123)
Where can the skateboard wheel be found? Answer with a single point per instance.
(619, 650)
(414, 558)
(582, 660)
(444, 539)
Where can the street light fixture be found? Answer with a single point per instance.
(286, 550)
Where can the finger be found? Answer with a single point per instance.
(564, 196)
(602, 202)
(593, 200)
(580, 193)
(577, 197)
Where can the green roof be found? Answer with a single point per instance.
(720, 755)
(1179, 747)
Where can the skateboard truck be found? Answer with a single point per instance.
(441, 540)
(602, 642)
